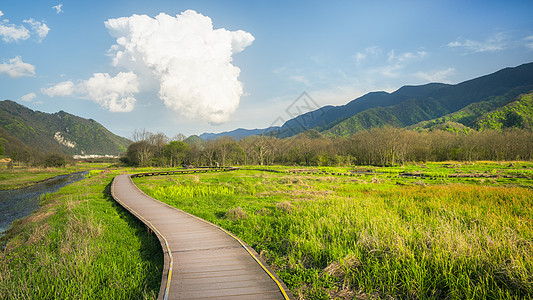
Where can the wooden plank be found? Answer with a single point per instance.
(252, 292)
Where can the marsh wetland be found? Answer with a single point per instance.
(448, 230)
(434, 230)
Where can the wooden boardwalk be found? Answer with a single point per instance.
(202, 260)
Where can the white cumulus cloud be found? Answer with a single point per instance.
(16, 68)
(191, 61)
(39, 28)
(65, 88)
(28, 97)
(13, 33)
(115, 94)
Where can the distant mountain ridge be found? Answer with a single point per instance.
(411, 105)
(238, 133)
(58, 132)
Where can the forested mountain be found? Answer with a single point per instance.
(433, 105)
(58, 132)
(480, 95)
(328, 116)
(498, 113)
(517, 114)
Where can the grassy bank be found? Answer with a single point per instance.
(80, 245)
(375, 235)
(20, 176)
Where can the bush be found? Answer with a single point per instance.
(54, 160)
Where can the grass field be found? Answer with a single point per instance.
(80, 245)
(20, 176)
(435, 230)
(421, 231)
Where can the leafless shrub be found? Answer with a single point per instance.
(235, 214)
(285, 206)
(420, 183)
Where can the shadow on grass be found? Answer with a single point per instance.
(150, 250)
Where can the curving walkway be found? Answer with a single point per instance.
(202, 260)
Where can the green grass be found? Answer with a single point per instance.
(20, 176)
(371, 234)
(375, 235)
(479, 173)
(80, 245)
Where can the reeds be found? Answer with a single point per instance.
(333, 237)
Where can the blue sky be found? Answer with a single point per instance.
(95, 59)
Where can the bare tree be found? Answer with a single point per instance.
(180, 137)
(228, 151)
(140, 135)
(209, 151)
(260, 148)
(140, 153)
(158, 140)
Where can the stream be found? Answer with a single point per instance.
(21, 202)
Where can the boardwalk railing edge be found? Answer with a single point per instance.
(165, 281)
(168, 260)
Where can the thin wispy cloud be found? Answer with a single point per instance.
(301, 79)
(375, 61)
(397, 62)
(529, 42)
(57, 8)
(436, 75)
(496, 42)
(374, 69)
(369, 52)
(405, 57)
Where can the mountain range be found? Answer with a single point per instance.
(58, 132)
(426, 106)
(499, 100)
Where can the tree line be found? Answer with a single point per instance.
(386, 146)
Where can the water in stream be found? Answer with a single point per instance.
(18, 203)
